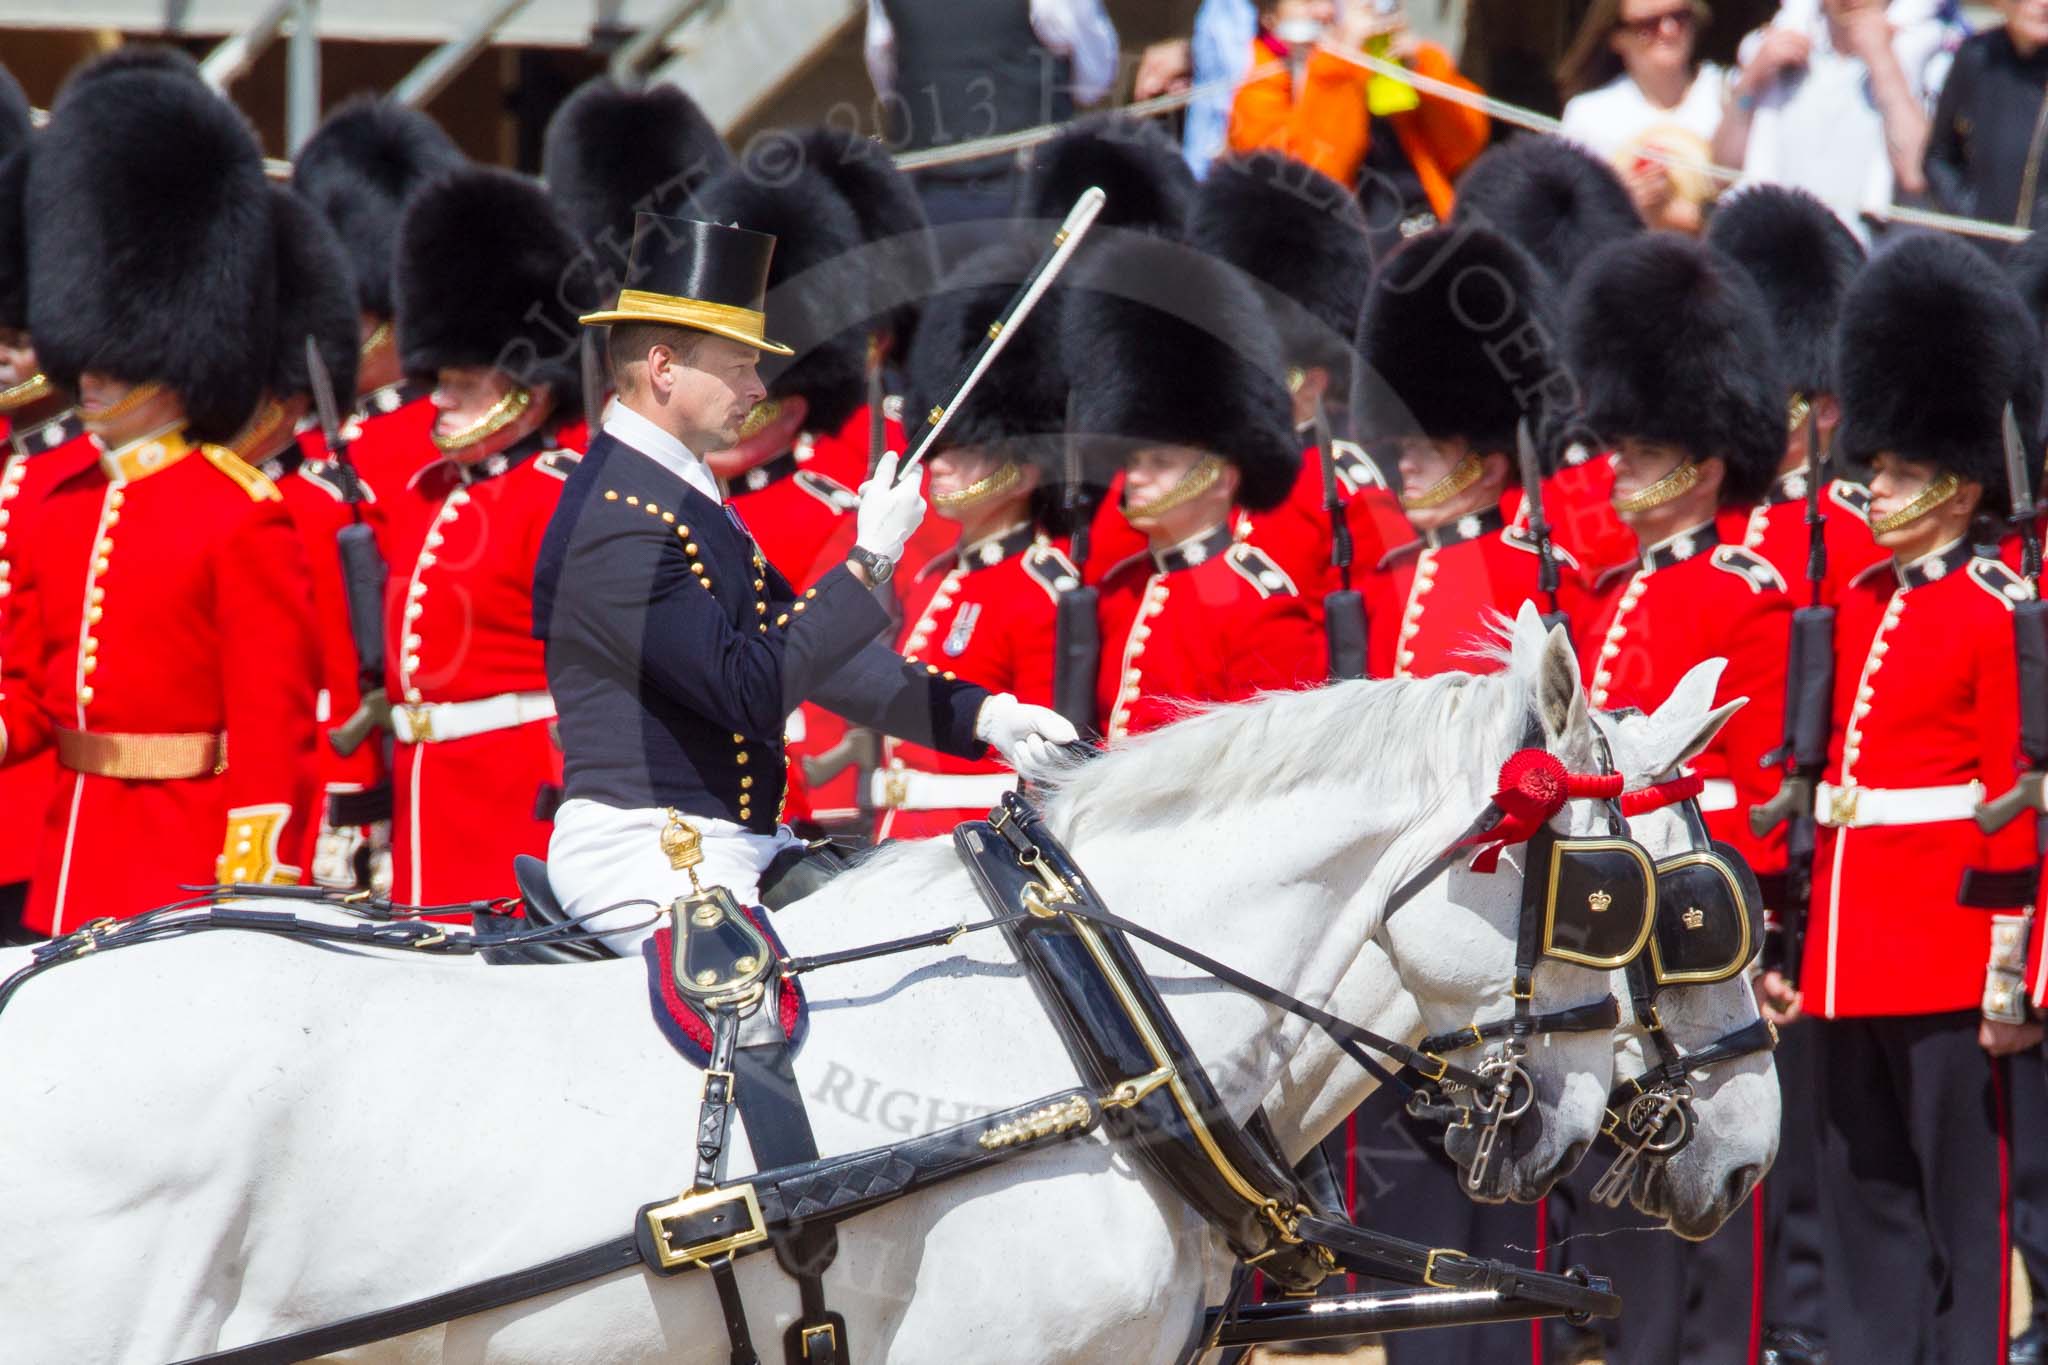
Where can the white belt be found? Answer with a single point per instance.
(436, 722)
(1717, 793)
(1854, 807)
(902, 789)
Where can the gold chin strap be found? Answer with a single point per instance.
(136, 397)
(1462, 477)
(259, 434)
(1796, 411)
(1929, 498)
(379, 337)
(1006, 477)
(503, 413)
(29, 390)
(1193, 484)
(1676, 484)
(764, 412)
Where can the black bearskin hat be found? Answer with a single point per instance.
(14, 133)
(1461, 337)
(1670, 342)
(1166, 346)
(487, 275)
(819, 298)
(1934, 343)
(357, 169)
(906, 267)
(611, 152)
(1020, 407)
(1138, 168)
(1549, 196)
(188, 301)
(154, 58)
(314, 298)
(1299, 234)
(1803, 259)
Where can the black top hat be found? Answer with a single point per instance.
(684, 273)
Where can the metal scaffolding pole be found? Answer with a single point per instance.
(629, 64)
(447, 61)
(302, 75)
(231, 60)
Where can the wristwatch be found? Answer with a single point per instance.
(879, 568)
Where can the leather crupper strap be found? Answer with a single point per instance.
(671, 1238)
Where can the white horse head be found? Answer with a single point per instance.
(1735, 1103)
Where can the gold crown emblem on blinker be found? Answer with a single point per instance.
(1599, 901)
(1695, 918)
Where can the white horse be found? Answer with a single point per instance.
(214, 1139)
(1735, 1103)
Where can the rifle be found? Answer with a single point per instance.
(1539, 525)
(1077, 631)
(1809, 722)
(1343, 608)
(363, 572)
(2030, 640)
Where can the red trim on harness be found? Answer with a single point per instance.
(1667, 793)
(1534, 785)
(789, 1005)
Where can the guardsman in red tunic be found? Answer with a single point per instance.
(1671, 345)
(1803, 260)
(357, 169)
(1192, 402)
(477, 771)
(1459, 334)
(159, 637)
(350, 842)
(1301, 241)
(1921, 995)
(42, 443)
(986, 610)
(1562, 205)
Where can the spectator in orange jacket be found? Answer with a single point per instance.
(1320, 109)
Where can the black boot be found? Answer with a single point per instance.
(2029, 1347)
(1792, 1346)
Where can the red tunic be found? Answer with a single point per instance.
(461, 545)
(163, 592)
(1692, 598)
(391, 434)
(1776, 529)
(986, 613)
(1211, 620)
(1926, 695)
(33, 461)
(1427, 603)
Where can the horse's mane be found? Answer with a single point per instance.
(1404, 734)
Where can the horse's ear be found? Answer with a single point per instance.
(1560, 700)
(1680, 729)
(1526, 639)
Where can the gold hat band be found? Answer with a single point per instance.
(29, 390)
(1462, 477)
(743, 325)
(1928, 498)
(1192, 485)
(1005, 478)
(1676, 484)
(502, 414)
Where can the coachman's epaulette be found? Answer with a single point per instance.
(1257, 568)
(1050, 569)
(1749, 566)
(1995, 578)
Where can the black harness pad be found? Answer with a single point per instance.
(1709, 917)
(1600, 899)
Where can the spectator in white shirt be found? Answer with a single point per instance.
(1634, 88)
(1833, 97)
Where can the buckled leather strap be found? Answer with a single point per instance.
(1597, 1017)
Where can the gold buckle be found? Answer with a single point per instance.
(1842, 806)
(1443, 1068)
(435, 939)
(1429, 1266)
(731, 1083)
(828, 1331)
(895, 791)
(419, 718)
(670, 1256)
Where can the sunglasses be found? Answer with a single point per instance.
(1651, 25)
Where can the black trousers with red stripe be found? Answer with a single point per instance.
(1914, 1182)
(1692, 1302)
(1794, 1239)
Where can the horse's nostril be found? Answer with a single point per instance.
(1739, 1183)
(1573, 1156)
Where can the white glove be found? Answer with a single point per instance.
(890, 508)
(1028, 737)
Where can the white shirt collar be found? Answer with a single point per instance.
(642, 436)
